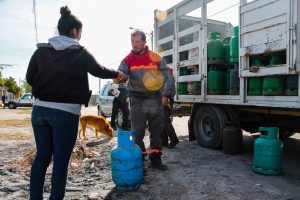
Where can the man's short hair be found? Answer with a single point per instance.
(138, 32)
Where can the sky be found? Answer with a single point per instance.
(105, 34)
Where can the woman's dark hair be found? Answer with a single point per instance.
(67, 21)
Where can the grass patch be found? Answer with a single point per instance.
(16, 136)
(15, 123)
(25, 111)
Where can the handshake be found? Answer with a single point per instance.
(121, 78)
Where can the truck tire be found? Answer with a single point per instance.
(208, 125)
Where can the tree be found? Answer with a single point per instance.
(27, 88)
(2, 81)
(12, 86)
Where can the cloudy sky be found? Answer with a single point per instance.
(106, 32)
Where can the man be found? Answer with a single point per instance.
(147, 72)
(3, 98)
(121, 102)
(169, 131)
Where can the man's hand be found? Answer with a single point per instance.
(165, 101)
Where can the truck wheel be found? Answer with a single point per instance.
(208, 125)
(12, 105)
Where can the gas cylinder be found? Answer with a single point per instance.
(126, 162)
(267, 152)
(255, 83)
(227, 81)
(273, 85)
(291, 85)
(254, 86)
(183, 71)
(197, 87)
(226, 42)
(275, 60)
(215, 48)
(234, 81)
(234, 46)
(215, 81)
(182, 88)
(232, 139)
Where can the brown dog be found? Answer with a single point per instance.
(99, 123)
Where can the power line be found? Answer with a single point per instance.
(223, 10)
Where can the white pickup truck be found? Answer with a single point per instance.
(25, 101)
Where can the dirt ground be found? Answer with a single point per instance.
(194, 172)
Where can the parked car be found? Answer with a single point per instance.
(105, 103)
(25, 101)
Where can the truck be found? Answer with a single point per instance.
(26, 100)
(247, 74)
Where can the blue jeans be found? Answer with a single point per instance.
(55, 134)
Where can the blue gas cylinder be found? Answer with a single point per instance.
(267, 152)
(126, 162)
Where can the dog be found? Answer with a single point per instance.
(99, 123)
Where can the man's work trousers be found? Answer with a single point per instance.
(169, 131)
(143, 109)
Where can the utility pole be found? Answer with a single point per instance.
(35, 24)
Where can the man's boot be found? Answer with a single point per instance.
(156, 161)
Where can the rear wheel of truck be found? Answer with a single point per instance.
(208, 125)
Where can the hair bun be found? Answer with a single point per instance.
(65, 11)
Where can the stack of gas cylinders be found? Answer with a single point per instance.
(222, 64)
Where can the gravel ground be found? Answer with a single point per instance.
(194, 172)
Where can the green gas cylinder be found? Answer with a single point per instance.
(255, 83)
(227, 80)
(273, 85)
(234, 86)
(215, 81)
(291, 85)
(232, 139)
(275, 60)
(183, 71)
(267, 152)
(197, 87)
(234, 46)
(226, 43)
(255, 86)
(182, 88)
(215, 47)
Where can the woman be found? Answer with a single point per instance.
(58, 73)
